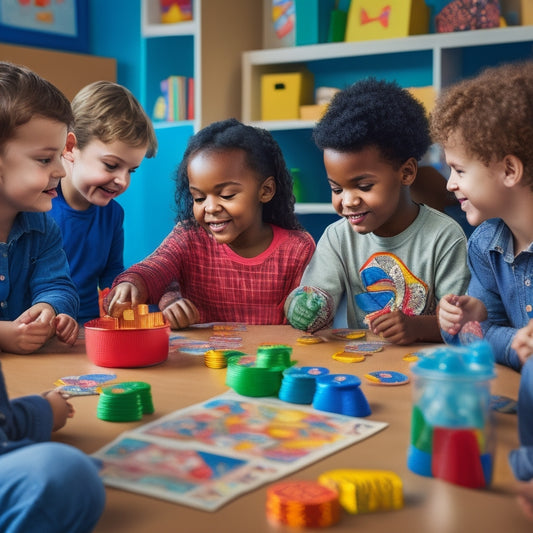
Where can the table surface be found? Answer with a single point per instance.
(430, 504)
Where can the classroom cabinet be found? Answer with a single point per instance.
(436, 60)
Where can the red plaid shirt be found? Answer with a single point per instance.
(224, 286)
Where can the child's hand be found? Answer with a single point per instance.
(523, 342)
(123, 296)
(66, 329)
(525, 499)
(181, 314)
(29, 331)
(61, 409)
(396, 327)
(454, 312)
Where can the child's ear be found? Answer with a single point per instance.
(514, 170)
(69, 147)
(408, 171)
(268, 190)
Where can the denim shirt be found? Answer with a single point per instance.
(34, 268)
(504, 283)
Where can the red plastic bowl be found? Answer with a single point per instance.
(126, 348)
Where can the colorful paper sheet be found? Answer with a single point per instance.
(208, 454)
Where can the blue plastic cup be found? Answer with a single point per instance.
(340, 393)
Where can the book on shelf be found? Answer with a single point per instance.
(176, 102)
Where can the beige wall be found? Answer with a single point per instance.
(67, 71)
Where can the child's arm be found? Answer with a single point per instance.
(29, 331)
(455, 311)
(152, 276)
(27, 419)
(398, 328)
(115, 260)
(312, 305)
(502, 308)
(523, 342)
(50, 280)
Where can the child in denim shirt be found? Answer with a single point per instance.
(45, 487)
(486, 128)
(37, 296)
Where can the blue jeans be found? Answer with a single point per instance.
(49, 488)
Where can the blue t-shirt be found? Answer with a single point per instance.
(93, 240)
(34, 269)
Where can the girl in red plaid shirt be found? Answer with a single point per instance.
(237, 249)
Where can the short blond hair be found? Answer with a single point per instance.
(109, 112)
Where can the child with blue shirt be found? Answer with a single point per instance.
(485, 126)
(37, 298)
(110, 137)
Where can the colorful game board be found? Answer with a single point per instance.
(208, 454)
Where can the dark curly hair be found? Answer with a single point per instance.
(263, 156)
(492, 113)
(375, 113)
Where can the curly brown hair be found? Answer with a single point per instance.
(491, 113)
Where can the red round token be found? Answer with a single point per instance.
(302, 504)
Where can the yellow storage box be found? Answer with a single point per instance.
(425, 95)
(386, 19)
(283, 94)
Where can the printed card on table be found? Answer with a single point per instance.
(208, 454)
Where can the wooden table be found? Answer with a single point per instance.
(431, 505)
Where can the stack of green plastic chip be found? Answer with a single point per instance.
(125, 402)
(118, 404)
(145, 392)
(274, 355)
(246, 378)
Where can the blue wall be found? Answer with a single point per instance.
(115, 31)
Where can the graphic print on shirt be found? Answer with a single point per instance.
(390, 286)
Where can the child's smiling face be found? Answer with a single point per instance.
(228, 196)
(369, 191)
(31, 166)
(100, 172)
(478, 187)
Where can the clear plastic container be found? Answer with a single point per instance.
(452, 434)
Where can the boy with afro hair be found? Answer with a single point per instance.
(390, 258)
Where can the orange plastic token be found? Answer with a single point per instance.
(302, 504)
